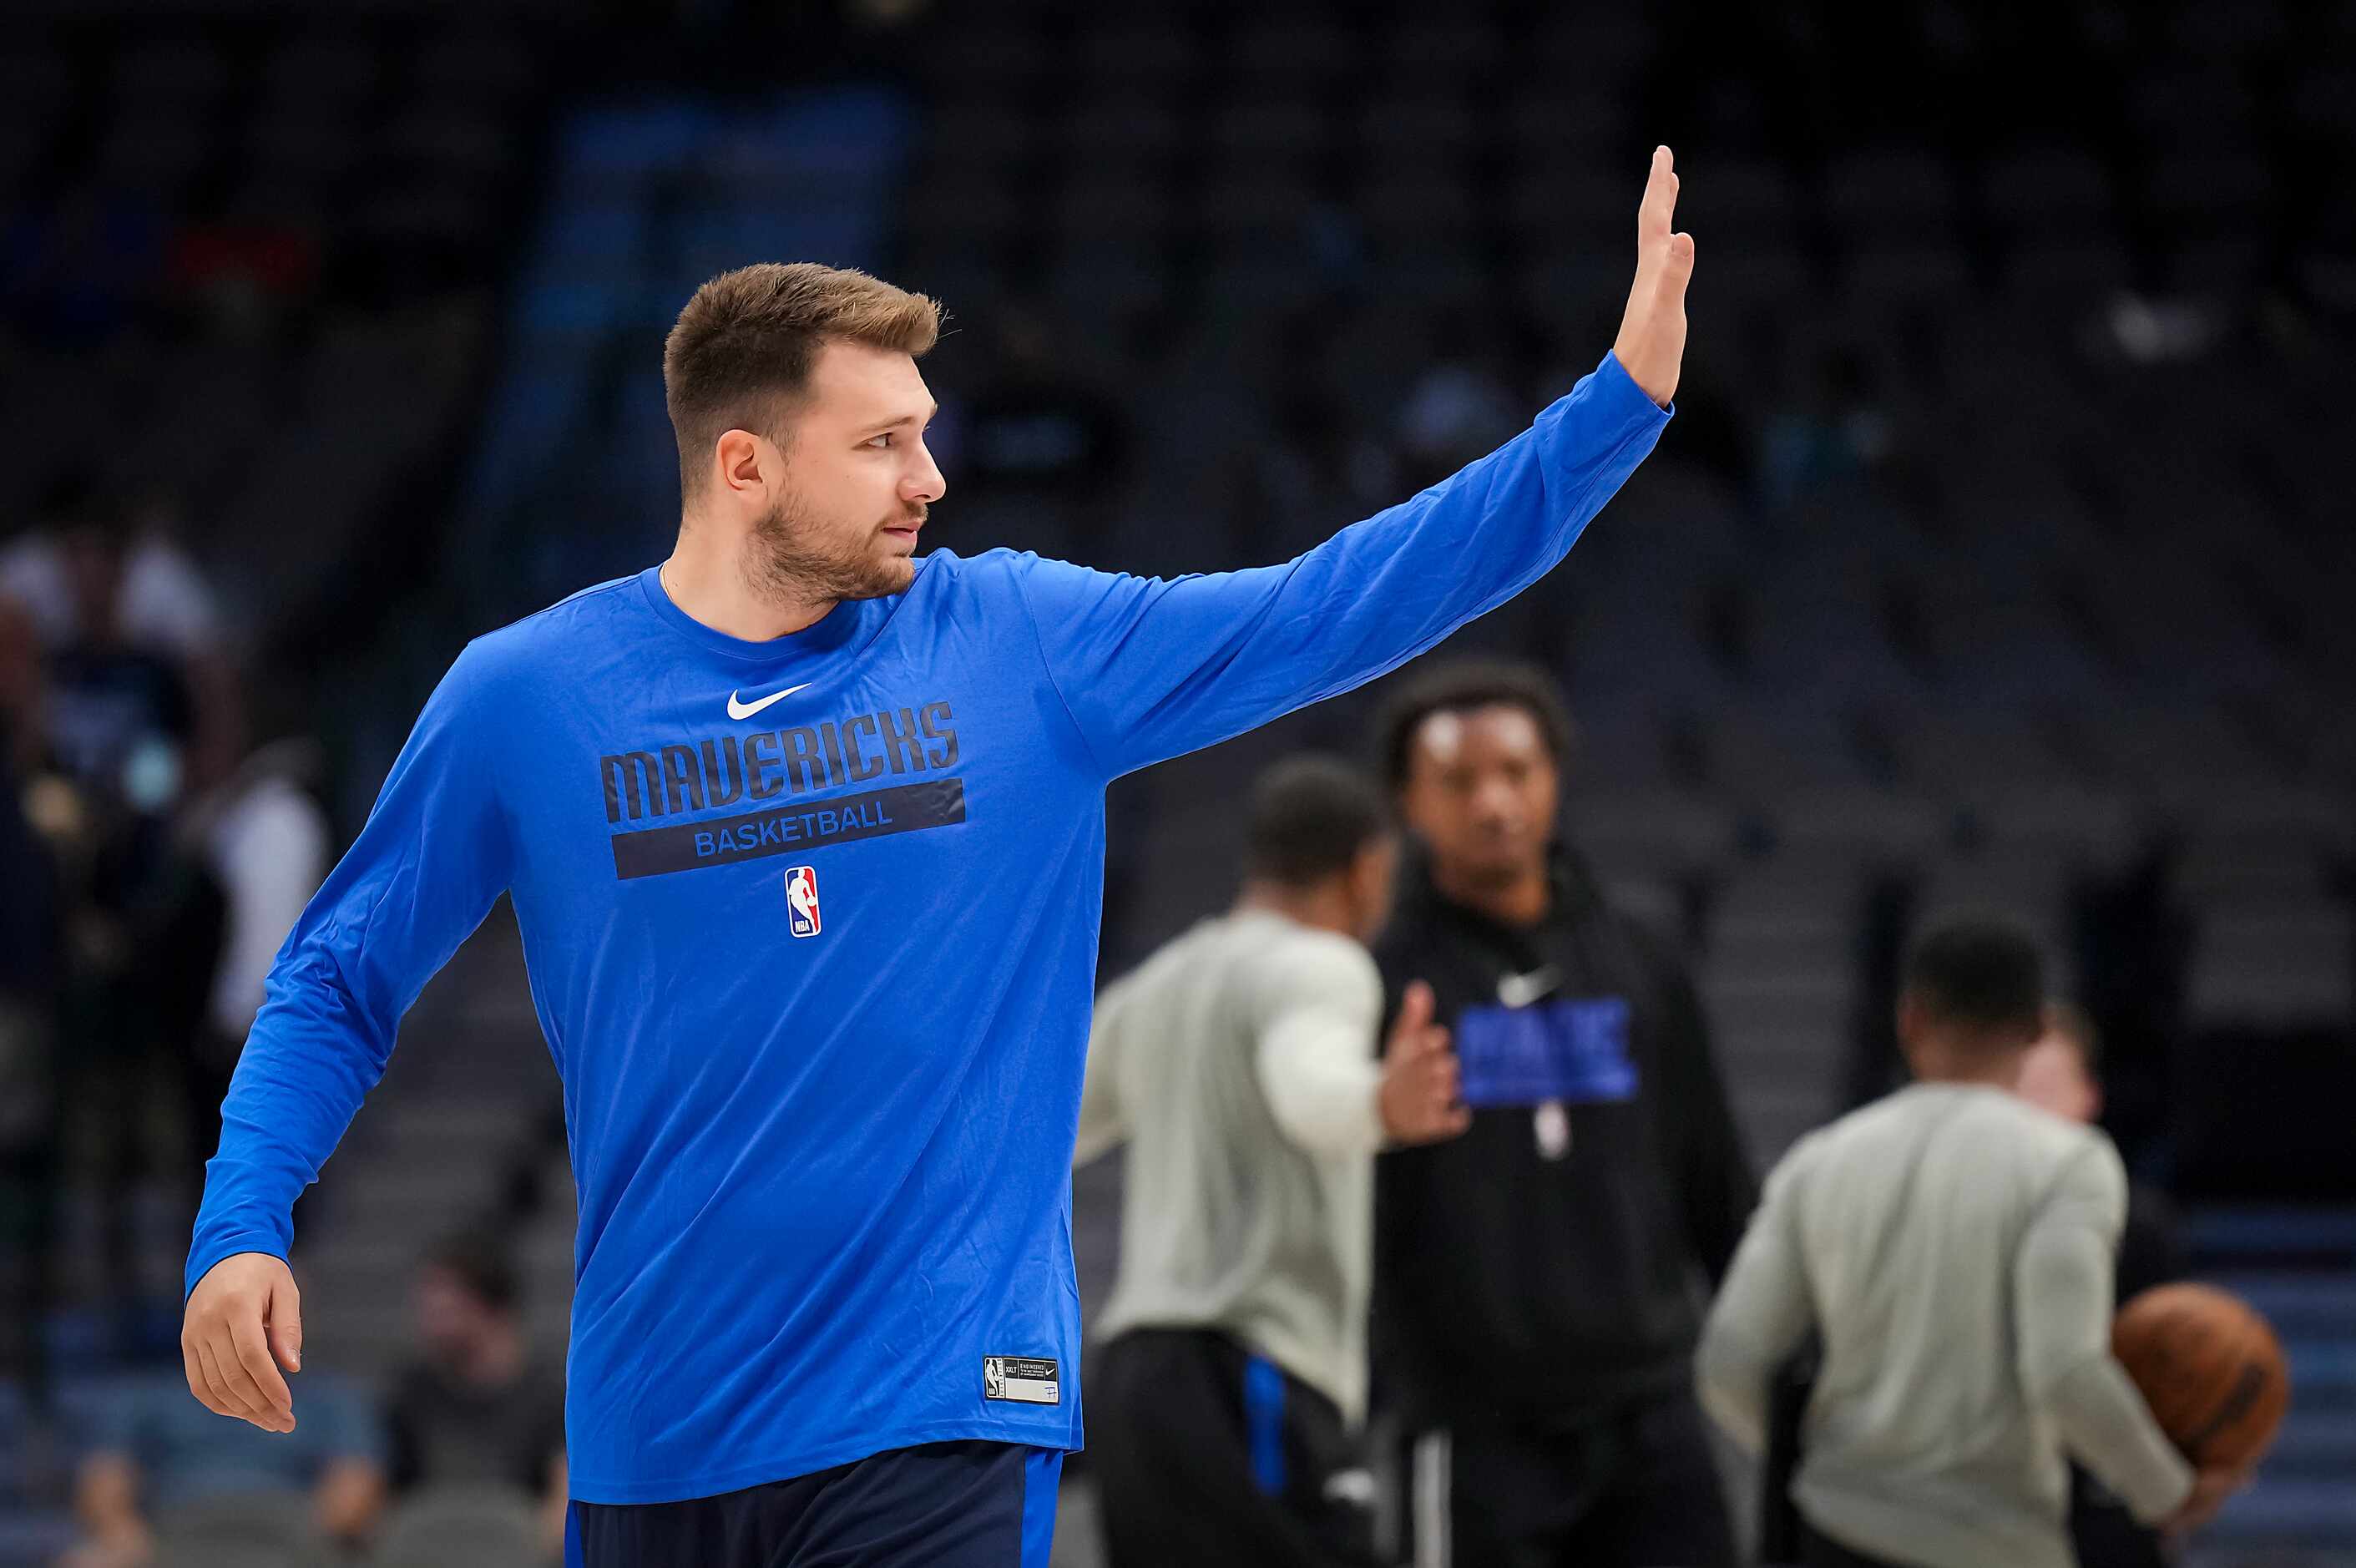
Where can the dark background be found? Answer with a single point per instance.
(2000, 556)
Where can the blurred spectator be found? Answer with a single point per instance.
(121, 714)
(144, 918)
(1535, 1280)
(1462, 404)
(31, 934)
(1838, 427)
(157, 1450)
(1458, 410)
(166, 606)
(260, 831)
(475, 1408)
(2064, 1073)
(1312, 475)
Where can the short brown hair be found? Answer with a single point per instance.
(739, 357)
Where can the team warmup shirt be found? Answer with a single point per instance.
(812, 931)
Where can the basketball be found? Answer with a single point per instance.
(2211, 1369)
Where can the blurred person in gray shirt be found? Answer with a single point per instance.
(1953, 1246)
(1237, 1064)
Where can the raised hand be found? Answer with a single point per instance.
(1419, 1089)
(1651, 343)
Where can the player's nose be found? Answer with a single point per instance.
(925, 481)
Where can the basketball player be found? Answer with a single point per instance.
(1953, 1247)
(1536, 1279)
(1232, 1384)
(824, 1163)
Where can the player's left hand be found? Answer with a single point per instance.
(1651, 343)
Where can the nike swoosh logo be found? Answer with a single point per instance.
(1521, 990)
(743, 710)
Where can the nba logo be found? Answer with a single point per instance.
(801, 900)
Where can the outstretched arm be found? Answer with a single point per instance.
(1151, 668)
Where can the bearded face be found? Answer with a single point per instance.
(795, 551)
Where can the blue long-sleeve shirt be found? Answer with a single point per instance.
(817, 978)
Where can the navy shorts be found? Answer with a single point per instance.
(943, 1505)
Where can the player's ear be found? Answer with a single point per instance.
(742, 460)
(1910, 1022)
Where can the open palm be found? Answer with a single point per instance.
(1651, 343)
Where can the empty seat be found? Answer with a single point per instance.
(1437, 46)
(1891, 193)
(1127, 130)
(1297, 50)
(2280, 964)
(1568, 210)
(1143, 49)
(1740, 199)
(159, 152)
(2048, 188)
(2190, 106)
(1415, 202)
(1285, 130)
(1096, 282)
(471, 1526)
(2210, 188)
(1905, 273)
(323, 68)
(180, 71)
(1112, 206)
(1863, 826)
(2041, 268)
(302, 145)
(1586, 44)
(977, 212)
(1415, 124)
(481, 67)
(1669, 831)
(263, 1523)
(981, 132)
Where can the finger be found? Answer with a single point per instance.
(259, 1380)
(1659, 206)
(219, 1398)
(1677, 269)
(198, 1384)
(238, 1396)
(1415, 1009)
(285, 1319)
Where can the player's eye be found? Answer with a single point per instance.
(880, 442)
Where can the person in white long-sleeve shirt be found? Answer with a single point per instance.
(1952, 1245)
(1238, 1065)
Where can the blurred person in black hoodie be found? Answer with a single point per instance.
(1537, 1280)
